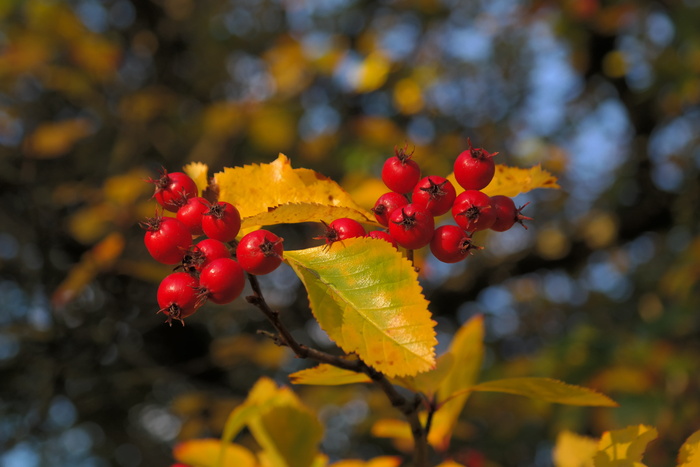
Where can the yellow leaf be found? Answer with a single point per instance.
(366, 296)
(205, 452)
(223, 119)
(408, 97)
(397, 430)
(275, 193)
(51, 140)
(382, 461)
(450, 463)
(625, 445)
(511, 181)
(572, 450)
(199, 173)
(429, 382)
(548, 390)
(372, 73)
(689, 455)
(328, 375)
(272, 128)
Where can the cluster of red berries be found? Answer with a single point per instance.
(212, 269)
(408, 211)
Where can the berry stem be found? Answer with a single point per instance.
(407, 406)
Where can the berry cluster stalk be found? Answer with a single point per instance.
(408, 407)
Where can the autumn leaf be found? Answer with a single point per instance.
(626, 445)
(689, 455)
(198, 172)
(205, 453)
(511, 181)
(572, 450)
(382, 461)
(366, 296)
(55, 139)
(548, 390)
(328, 375)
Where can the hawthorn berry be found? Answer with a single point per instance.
(173, 189)
(450, 244)
(474, 168)
(382, 235)
(166, 239)
(386, 204)
(177, 296)
(472, 211)
(191, 213)
(411, 226)
(203, 253)
(222, 221)
(400, 173)
(260, 252)
(220, 281)
(434, 193)
(506, 213)
(340, 229)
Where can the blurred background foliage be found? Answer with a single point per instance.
(601, 290)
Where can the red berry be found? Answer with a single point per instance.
(203, 253)
(340, 229)
(381, 235)
(506, 213)
(411, 226)
(191, 213)
(173, 189)
(434, 193)
(221, 281)
(400, 173)
(166, 239)
(472, 211)
(386, 204)
(260, 252)
(221, 222)
(450, 244)
(177, 296)
(474, 168)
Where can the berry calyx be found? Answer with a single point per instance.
(474, 168)
(450, 244)
(221, 222)
(220, 281)
(411, 226)
(434, 193)
(260, 252)
(173, 189)
(400, 173)
(386, 204)
(340, 229)
(472, 211)
(203, 253)
(166, 239)
(506, 213)
(191, 214)
(177, 296)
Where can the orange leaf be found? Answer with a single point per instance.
(51, 140)
(205, 453)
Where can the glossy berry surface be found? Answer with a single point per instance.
(381, 235)
(166, 239)
(221, 281)
(472, 211)
(221, 222)
(203, 253)
(173, 189)
(434, 193)
(342, 228)
(450, 244)
(191, 213)
(411, 226)
(177, 296)
(400, 173)
(506, 213)
(474, 168)
(260, 252)
(386, 204)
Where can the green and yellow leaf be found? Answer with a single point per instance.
(328, 375)
(511, 181)
(548, 390)
(206, 452)
(624, 447)
(367, 298)
(689, 455)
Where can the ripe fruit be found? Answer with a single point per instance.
(506, 213)
(173, 189)
(411, 226)
(472, 211)
(166, 239)
(380, 234)
(221, 222)
(450, 244)
(221, 281)
(260, 252)
(434, 193)
(386, 204)
(191, 213)
(400, 173)
(177, 296)
(474, 168)
(340, 229)
(203, 253)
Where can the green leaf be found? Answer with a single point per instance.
(366, 297)
(328, 375)
(548, 390)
